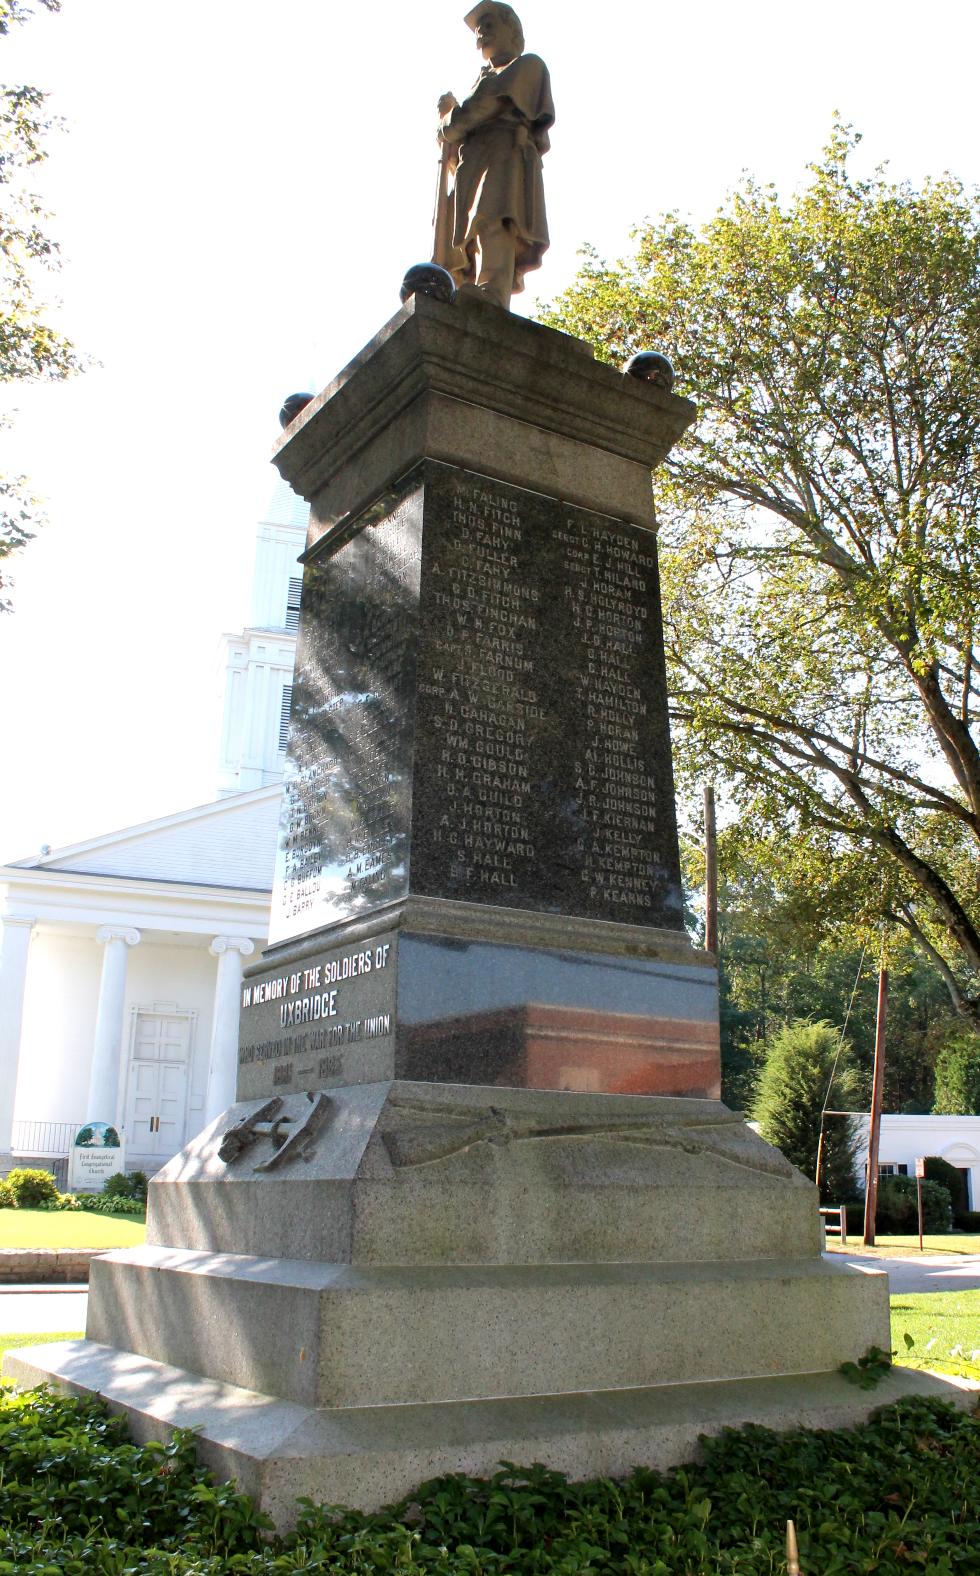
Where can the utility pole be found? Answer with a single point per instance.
(710, 872)
(874, 1126)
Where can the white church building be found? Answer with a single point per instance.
(121, 957)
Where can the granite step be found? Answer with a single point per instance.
(312, 1333)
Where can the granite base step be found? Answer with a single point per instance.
(371, 1456)
(313, 1333)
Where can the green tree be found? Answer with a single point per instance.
(788, 950)
(800, 1062)
(29, 346)
(958, 1077)
(820, 526)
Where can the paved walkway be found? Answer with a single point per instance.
(41, 1310)
(924, 1272)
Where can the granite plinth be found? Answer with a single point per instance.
(431, 1174)
(485, 999)
(504, 396)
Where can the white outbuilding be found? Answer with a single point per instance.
(904, 1139)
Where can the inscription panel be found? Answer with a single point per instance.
(543, 776)
(329, 1020)
(344, 820)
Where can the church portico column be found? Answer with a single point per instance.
(14, 947)
(222, 1064)
(103, 1087)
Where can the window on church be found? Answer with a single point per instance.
(292, 604)
(287, 695)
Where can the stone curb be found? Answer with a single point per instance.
(37, 1265)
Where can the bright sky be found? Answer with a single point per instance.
(237, 194)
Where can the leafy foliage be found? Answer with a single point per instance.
(126, 1184)
(29, 347)
(76, 1496)
(821, 526)
(957, 1090)
(32, 1186)
(803, 1062)
(61, 1201)
(786, 954)
(898, 1211)
(894, 1495)
(869, 1370)
(953, 1178)
(115, 1204)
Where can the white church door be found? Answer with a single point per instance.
(157, 1103)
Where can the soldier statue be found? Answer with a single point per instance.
(490, 225)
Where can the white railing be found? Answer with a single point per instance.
(43, 1138)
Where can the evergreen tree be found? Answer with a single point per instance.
(803, 1062)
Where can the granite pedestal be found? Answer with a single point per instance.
(478, 1198)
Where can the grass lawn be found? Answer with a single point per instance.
(944, 1327)
(68, 1228)
(955, 1243)
(9, 1343)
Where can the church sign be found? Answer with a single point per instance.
(96, 1154)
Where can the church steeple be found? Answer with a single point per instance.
(257, 665)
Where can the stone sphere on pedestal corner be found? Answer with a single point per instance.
(291, 407)
(652, 366)
(430, 280)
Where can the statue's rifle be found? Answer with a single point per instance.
(442, 237)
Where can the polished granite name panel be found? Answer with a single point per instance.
(345, 819)
(435, 1008)
(479, 713)
(543, 775)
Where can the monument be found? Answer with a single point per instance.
(478, 1197)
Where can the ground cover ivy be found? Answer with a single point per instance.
(894, 1496)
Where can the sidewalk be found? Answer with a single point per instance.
(42, 1310)
(921, 1272)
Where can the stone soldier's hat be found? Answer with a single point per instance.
(505, 12)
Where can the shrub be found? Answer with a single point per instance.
(898, 1211)
(126, 1184)
(953, 1177)
(967, 1220)
(7, 1199)
(32, 1187)
(114, 1206)
(61, 1201)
